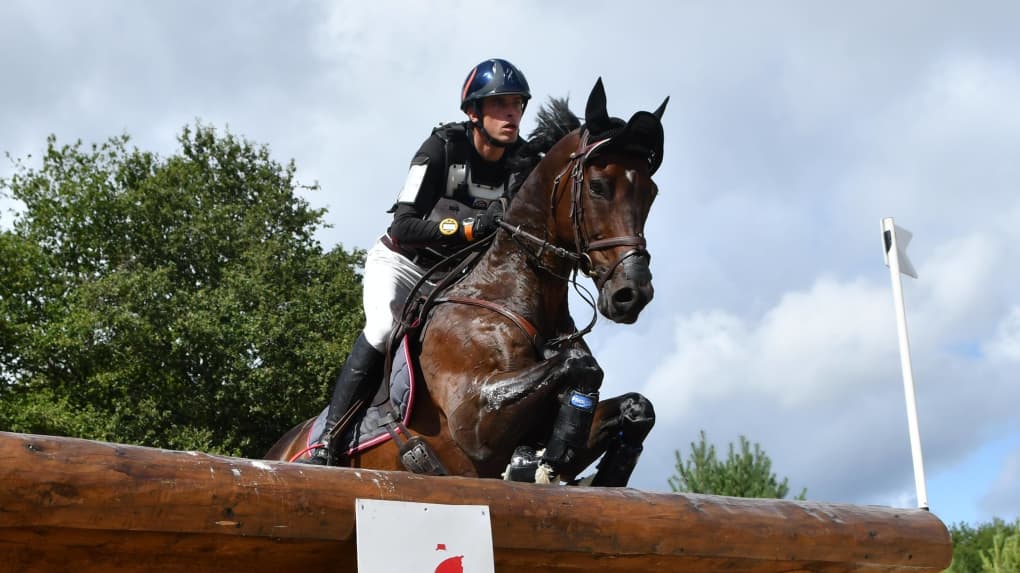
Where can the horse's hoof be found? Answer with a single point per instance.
(523, 464)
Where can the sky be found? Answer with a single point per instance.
(793, 128)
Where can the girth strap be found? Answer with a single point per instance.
(529, 329)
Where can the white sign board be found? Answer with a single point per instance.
(423, 537)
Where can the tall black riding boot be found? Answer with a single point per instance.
(360, 376)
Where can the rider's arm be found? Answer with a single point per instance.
(408, 227)
(424, 186)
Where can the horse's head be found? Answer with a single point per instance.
(608, 178)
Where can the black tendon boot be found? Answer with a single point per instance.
(359, 377)
(571, 429)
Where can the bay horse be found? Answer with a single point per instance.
(505, 372)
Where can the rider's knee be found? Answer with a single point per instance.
(377, 335)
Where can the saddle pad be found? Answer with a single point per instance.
(370, 430)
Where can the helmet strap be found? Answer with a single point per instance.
(478, 124)
(488, 138)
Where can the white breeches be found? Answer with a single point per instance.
(388, 280)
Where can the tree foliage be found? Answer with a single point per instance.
(744, 473)
(992, 547)
(178, 302)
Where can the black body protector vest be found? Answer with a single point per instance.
(471, 184)
(466, 194)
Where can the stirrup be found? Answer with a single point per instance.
(314, 460)
(321, 455)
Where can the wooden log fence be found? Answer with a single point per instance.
(93, 507)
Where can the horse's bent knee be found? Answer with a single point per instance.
(584, 372)
(637, 417)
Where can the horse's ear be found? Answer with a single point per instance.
(595, 114)
(658, 112)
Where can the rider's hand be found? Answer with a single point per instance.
(484, 224)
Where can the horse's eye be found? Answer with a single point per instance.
(599, 187)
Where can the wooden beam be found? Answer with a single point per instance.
(107, 507)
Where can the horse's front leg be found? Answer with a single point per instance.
(508, 403)
(619, 430)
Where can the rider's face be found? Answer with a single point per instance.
(501, 117)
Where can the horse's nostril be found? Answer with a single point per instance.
(624, 296)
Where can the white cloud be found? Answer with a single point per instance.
(833, 333)
(962, 287)
(801, 351)
(817, 364)
(704, 344)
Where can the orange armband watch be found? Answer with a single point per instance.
(468, 225)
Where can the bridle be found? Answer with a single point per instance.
(580, 257)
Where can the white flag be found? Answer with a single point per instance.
(894, 235)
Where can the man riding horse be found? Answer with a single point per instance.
(452, 196)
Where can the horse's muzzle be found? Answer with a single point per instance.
(626, 292)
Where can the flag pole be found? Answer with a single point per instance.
(892, 250)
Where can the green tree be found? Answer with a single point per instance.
(1004, 556)
(991, 547)
(744, 473)
(177, 302)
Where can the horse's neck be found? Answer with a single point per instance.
(532, 283)
(510, 275)
(534, 207)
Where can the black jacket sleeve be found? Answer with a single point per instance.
(410, 227)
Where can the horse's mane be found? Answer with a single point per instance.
(555, 121)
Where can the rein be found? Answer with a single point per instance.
(537, 340)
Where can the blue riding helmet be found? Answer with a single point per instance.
(491, 78)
